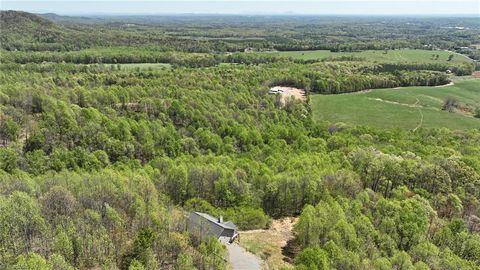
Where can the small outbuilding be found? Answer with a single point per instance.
(202, 225)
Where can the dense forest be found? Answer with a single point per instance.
(99, 164)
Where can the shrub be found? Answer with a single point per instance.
(477, 112)
(312, 258)
(450, 104)
(247, 218)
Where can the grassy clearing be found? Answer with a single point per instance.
(268, 244)
(406, 55)
(401, 107)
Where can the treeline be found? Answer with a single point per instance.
(321, 77)
(352, 46)
(459, 70)
(120, 55)
(345, 84)
(126, 55)
(114, 56)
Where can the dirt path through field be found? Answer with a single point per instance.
(445, 85)
(476, 74)
(397, 103)
(421, 117)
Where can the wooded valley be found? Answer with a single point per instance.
(100, 164)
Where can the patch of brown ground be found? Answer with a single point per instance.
(287, 92)
(269, 244)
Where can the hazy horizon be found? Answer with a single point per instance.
(350, 7)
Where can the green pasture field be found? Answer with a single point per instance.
(405, 107)
(404, 55)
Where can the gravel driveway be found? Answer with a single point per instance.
(240, 259)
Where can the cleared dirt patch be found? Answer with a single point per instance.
(287, 92)
(269, 244)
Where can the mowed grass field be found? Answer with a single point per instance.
(405, 107)
(404, 55)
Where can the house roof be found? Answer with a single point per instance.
(225, 225)
(230, 224)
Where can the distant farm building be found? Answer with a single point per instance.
(203, 225)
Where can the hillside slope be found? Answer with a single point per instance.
(30, 32)
(23, 30)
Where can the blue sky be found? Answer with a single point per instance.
(360, 7)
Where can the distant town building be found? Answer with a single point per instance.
(203, 225)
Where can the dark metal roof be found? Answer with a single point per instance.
(230, 224)
(225, 225)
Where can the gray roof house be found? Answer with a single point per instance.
(202, 225)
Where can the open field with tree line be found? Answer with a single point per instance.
(389, 56)
(403, 107)
(114, 128)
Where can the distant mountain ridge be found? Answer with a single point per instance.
(56, 18)
(12, 16)
(24, 31)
